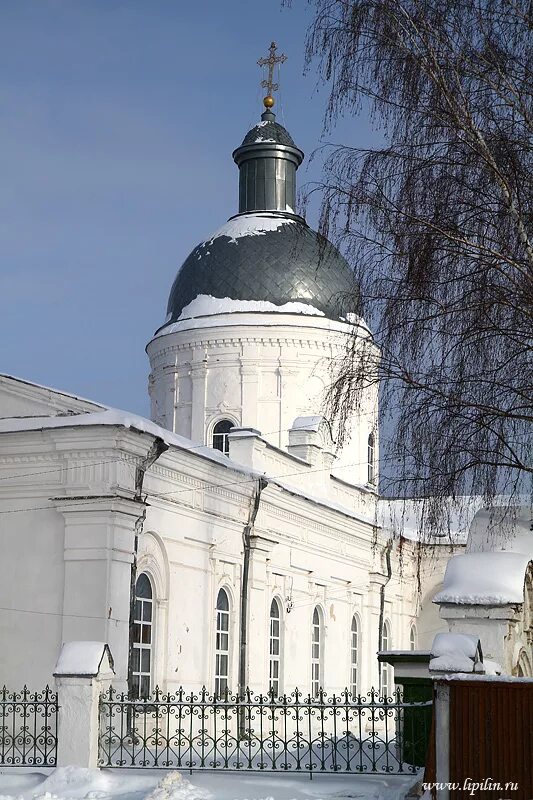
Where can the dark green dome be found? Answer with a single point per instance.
(266, 257)
(268, 131)
(266, 252)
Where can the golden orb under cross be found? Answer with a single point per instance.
(268, 101)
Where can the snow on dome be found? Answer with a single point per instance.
(249, 225)
(491, 579)
(204, 305)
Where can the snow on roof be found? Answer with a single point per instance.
(455, 652)
(492, 667)
(320, 501)
(51, 389)
(115, 417)
(488, 678)
(445, 644)
(491, 579)
(311, 423)
(413, 519)
(82, 658)
(505, 527)
(250, 225)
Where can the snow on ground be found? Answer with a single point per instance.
(75, 783)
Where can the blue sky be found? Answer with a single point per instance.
(117, 123)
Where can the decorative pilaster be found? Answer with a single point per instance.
(198, 404)
(98, 553)
(249, 391)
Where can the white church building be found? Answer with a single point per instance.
(228, 541)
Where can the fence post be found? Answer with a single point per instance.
(83, 671)
(442, 738)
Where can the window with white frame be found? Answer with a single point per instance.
(274, 670)
(412, 638)
(386, 672)
(317, 646)
(371, 458)
(354, 656)
(142, 641)
(220, 435)
(222, 643)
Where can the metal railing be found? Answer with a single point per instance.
(28, 728)
(294, 732)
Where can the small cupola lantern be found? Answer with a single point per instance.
(268, 158)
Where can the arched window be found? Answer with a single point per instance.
(222, 644)
(143, 628)
(354, 656)
(220, 435)
(274, 672)
(412, 638)
(386, 676)
(317, 647)
(371, 458)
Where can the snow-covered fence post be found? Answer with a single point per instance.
(442, 738)
(83, 671)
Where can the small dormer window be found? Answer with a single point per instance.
(371, 457)
(220, 435)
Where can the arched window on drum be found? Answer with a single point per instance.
(220, 435)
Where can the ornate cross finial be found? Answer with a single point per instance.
(268, 83)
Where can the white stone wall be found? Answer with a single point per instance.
(257, 370)
(68, 548)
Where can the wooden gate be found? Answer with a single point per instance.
(490, 740)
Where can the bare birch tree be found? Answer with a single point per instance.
(438, 225)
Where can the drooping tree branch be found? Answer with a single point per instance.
(437, 224)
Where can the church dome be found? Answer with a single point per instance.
(266, 253)
(268, 131)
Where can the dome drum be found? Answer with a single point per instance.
(267, 183)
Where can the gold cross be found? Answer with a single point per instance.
(268, 83)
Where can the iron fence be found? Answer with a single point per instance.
(28, 728)
(293, 732)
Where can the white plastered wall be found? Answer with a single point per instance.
(257, 370)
